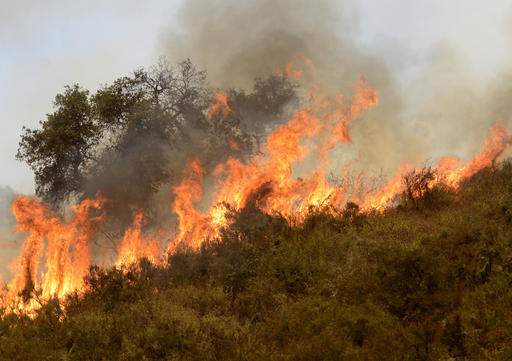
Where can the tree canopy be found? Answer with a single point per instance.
(60, 151)
(133, 136)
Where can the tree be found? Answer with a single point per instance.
(133, 137)
(142, 118)
(60, 151)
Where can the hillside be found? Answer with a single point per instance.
(428, 281)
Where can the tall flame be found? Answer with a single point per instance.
(65, 246)
(267, 179)
(135, 246)
(194, 225)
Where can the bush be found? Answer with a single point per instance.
(429, 281)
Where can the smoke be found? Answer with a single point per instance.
(451, 108)
(442, 108)
(237, 41)
(9, 242)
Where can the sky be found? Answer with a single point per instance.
(479, 30)
(45, 45)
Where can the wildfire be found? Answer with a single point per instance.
(497, 141)
(134, 246)
(269, 181)
(66, 251)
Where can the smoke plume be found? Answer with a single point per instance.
(237, 41)
(440, 109)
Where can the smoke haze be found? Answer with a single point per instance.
(9, 242)
(431, 102)
(393, 42)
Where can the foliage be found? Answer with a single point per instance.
(409, 284)
(62, 148)
(124, 140)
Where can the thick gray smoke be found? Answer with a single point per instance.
(440, 110)
(236, 41)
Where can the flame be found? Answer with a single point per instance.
(193, 225)
(385, 196)
(266, 181)
(134, 246)
(497, 141)
(289, 176)
(220, 106)
(65, 246)
(292, 72)
(294, 68)
(451, 171)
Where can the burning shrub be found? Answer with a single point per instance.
(423, 188)
(394, 287)
(418, 186)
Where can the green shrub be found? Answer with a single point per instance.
(429, 281)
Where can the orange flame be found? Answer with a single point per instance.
(193, 225)
(385, 196)
(134, 246)
(267, 180)
(67, 247)
(282, 178)
(292, 72)
(220, 106)
(450, 170)
(498, 139)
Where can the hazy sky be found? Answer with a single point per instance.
(45, 45)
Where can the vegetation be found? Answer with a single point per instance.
(124, 140)
(428, 280)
